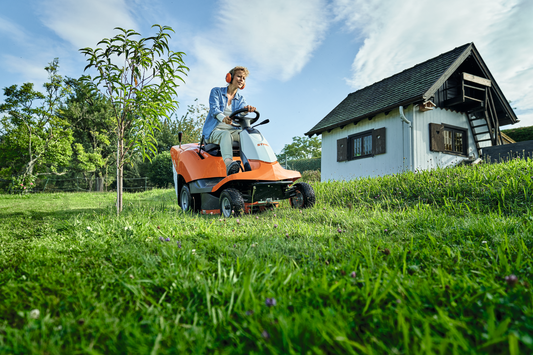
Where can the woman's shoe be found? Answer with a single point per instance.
(233, 168)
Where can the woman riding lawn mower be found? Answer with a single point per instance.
(203, 185)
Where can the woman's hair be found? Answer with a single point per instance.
(232, 71)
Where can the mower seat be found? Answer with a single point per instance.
(214, 149)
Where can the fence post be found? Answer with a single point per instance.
(145, 184)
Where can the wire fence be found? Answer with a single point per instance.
(84, 184)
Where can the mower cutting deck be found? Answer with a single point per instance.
(202, 185)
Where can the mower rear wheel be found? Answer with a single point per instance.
(185, 199)
(231, 202)
(305, 196)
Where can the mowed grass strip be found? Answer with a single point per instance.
(428, 262)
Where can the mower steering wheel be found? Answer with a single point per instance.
(243, 122)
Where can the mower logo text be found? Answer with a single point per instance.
(260, 144)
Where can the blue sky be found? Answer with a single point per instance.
(304, 56)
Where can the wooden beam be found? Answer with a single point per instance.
(474, 87)
(473, 99)
(477, 79)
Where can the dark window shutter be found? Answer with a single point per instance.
(379, 144)
(342, 149)
(436, 134)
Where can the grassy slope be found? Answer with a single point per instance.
(397, 264)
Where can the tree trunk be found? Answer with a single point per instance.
(100, 182)
(120, 170)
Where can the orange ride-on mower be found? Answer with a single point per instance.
(202, 185)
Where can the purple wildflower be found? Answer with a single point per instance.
(275, 226)
(265, 334)
(168, 239)
(162, 239)
(179, 244)
(353, 274)
(270, 302)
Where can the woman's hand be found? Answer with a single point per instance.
(250, 108)
(227, 120)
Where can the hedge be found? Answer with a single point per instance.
(520, 134)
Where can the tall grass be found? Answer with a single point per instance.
(503, 188)
(369, 270)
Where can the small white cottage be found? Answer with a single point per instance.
(435, 114)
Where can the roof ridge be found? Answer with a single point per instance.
(414, 66)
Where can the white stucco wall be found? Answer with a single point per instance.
(382, 164)
(399, 156)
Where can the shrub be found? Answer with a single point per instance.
(311, 176)
(302, 165)
(160, 170)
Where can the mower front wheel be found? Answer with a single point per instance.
(231, 202)
(305, 196)
(186, 200)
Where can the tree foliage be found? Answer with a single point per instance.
(91, 120)
(35, 138)
(160, 170)
(302, 148)
(141, 89)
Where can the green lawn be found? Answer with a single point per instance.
(433, 262)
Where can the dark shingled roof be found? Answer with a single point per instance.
(409, 86)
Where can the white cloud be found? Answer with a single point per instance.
(398, 35)
(25, 56)
(208, 70)
(83, 23)
(11, 30)
(279, 36)
(28, 70)
(274, 39)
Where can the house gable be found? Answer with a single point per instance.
(437, 79)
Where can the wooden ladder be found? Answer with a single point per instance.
(488, 122)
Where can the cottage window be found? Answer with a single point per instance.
(362, 145)
(448, 139)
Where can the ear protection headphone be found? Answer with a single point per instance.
(229, 77)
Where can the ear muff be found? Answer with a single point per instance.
(229, 79)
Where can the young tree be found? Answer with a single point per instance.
(142, 89)
(36, 140)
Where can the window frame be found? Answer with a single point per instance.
(435, 136)
(454, 129)
(362, 135)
